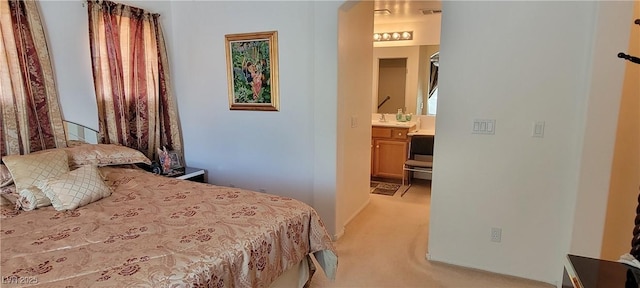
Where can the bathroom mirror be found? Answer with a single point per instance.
(432, 101)
(405, 78)
(392, 75)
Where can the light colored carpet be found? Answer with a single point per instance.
(385, 246)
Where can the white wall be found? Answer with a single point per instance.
(354, 88)
(503, 63)
(525, 70)
(290, 152)
(411, 86)
(325, 116)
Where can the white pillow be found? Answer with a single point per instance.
(31, 198)
(76, 188)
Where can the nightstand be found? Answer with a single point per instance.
(585, 272)
(192, 174)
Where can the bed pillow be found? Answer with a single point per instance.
(5, 176)
(104, 155)
(76, 188)
(29, 171)
(31, 198)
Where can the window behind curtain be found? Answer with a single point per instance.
(131, 77)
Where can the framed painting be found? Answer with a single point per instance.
(252, 71)
(176, 163)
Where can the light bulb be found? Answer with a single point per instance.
(376, 37)
(396, 36)
(386, 36)
(406, 35)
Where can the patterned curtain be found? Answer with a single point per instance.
(131, 77)
(29, 107)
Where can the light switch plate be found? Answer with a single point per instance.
(484, 126)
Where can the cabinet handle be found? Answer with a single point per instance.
(377, 146)
(399, 134)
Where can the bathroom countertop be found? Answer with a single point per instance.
(408, 124)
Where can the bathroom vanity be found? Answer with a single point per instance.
(389, 147)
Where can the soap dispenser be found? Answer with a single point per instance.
(399, 116)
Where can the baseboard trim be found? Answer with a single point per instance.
(340, 233)
(364, 205)
(488, 271)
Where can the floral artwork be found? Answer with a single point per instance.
(252, 62)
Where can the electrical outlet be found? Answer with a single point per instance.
(538, 129)
(496, 234)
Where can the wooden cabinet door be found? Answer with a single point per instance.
(389, 158)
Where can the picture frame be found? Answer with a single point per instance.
(169, 163)
(252, 71)
(176, 162)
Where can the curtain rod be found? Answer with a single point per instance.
(85, 3)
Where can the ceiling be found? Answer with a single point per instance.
(404, 10)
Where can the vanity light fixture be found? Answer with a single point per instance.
(393, 36)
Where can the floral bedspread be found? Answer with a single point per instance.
(155, 231)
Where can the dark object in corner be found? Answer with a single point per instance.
(632, 278)
(635, 242)
(632, 59)
(629, 57)
(598, 273)
(155, 168)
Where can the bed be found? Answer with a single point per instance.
(156, 231)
